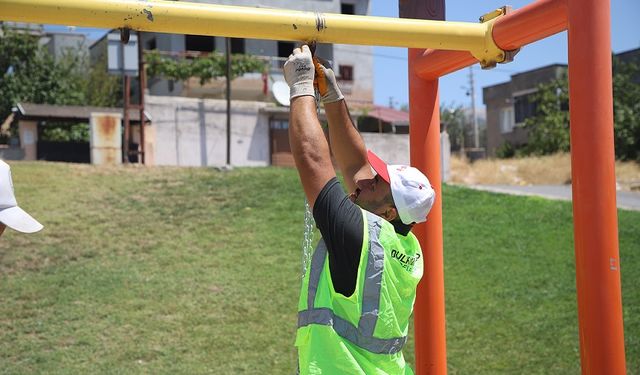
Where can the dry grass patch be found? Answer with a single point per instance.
(539, 170)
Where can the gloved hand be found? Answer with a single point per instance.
(298, 72)
(327, 85)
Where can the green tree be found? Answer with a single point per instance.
(454, 118)
(30, 73)
(626, 109)
(549, 129)
(102, 88)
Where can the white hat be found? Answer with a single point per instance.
(10, 214)
(412, 193)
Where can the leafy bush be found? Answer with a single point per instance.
(206, 68)
(65, 132)
(506, 150)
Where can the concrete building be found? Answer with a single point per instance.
(189, 119)
(60, 43)
(352, 64)
(192, 132)
(186, 132)
(188, 126)
(509, 104)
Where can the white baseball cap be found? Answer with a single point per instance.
(10, 214)
(412, 193)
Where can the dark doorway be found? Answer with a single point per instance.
(62, 141)
(280, 147)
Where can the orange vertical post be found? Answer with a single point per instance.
(594, 191)
(429, 312)
(424, 134)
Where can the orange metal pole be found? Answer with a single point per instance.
(594, 190)
(429, 311)
(523, 26)
(530, 23)
(424, 144)
(435, 63)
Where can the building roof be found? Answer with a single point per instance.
(630, 55)
(48, 112)
(390, 115)
(546, 67)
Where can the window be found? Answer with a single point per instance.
(237, 45)
(346, 8)
(285, 49)
(151, 44)
(506, 120)
(525, 107)
(199, 43)
(279, 124)
(346, 72)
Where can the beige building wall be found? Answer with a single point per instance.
(28, 133)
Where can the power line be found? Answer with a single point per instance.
(372, 54)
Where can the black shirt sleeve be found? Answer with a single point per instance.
(341, 225)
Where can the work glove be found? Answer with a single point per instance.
(326, 83)
(298, 72)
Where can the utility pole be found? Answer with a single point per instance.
(476, 136)
(141, 85)
(228, 56)
(126, 92)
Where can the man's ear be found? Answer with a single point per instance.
(390, 213)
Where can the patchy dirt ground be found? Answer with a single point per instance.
(543, 170)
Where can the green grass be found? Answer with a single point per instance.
(168, 270)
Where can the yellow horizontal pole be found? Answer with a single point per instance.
(246, 22)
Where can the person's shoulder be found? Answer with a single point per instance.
(410, 241)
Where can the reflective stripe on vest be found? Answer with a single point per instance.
(361, 336)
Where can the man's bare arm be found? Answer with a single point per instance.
(346, 143)
(308, 143)
(309, 147)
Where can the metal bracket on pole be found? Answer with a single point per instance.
(490, 54)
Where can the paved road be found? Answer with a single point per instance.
(626, 200)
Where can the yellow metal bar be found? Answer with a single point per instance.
(246, 22)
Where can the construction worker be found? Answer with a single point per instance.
(11, 215)
(358, 292)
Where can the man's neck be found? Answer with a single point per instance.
(401, 228)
